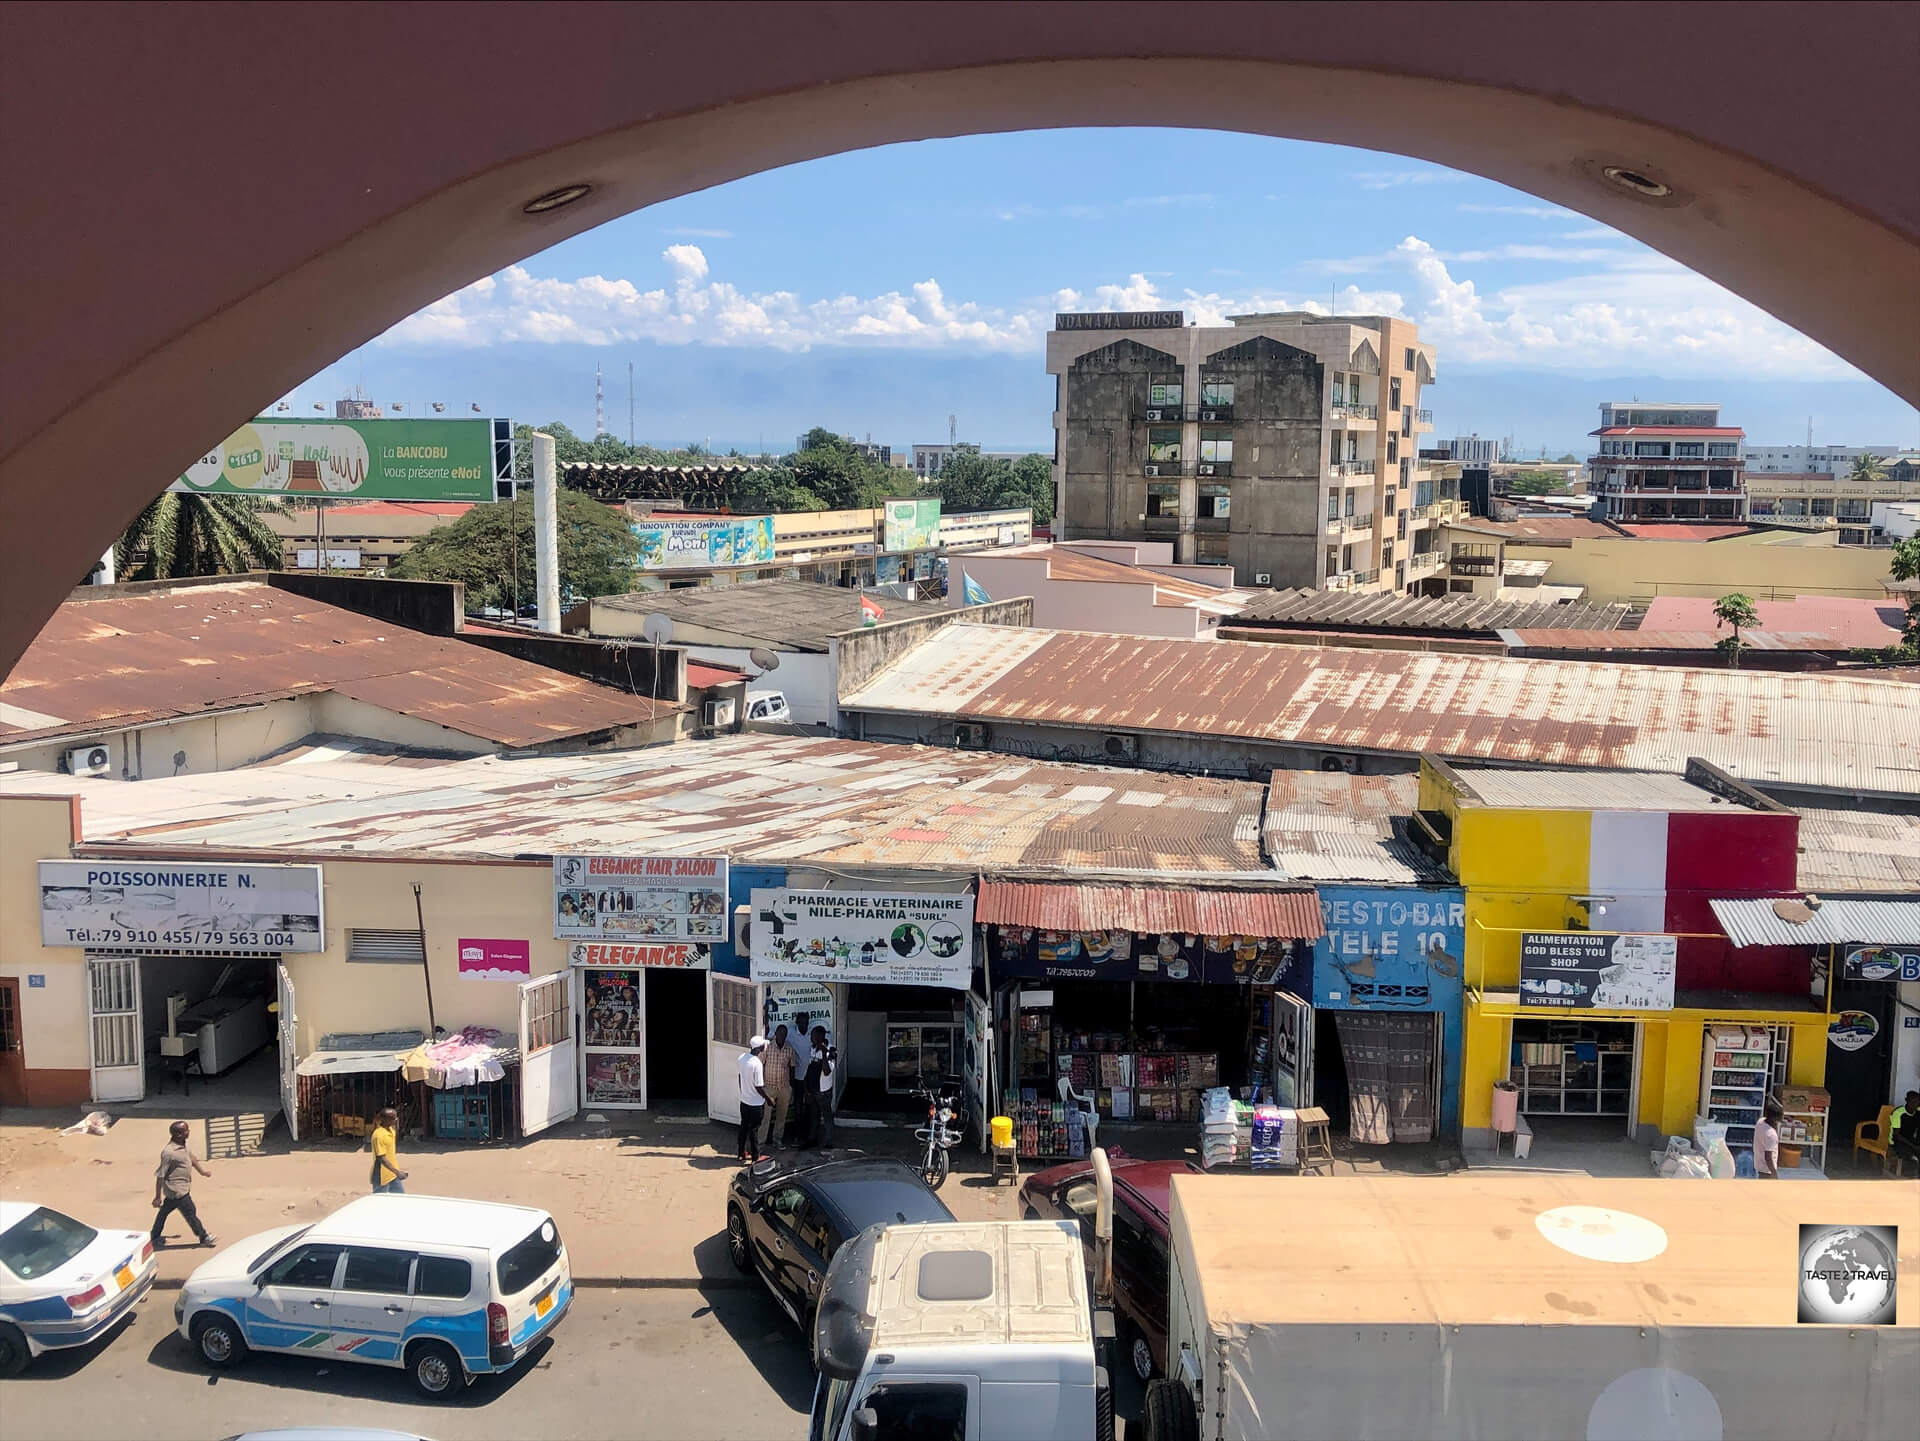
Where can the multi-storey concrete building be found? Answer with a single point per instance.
(1668, 461)
(1472, 450)
(1285, 445)
(1810, 459)
(1823, 500)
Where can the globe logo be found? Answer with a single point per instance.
(1847, 1274)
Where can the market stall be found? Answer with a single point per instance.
(1110, 1007)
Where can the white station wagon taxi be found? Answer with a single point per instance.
(63, 1283)
(444, 1288)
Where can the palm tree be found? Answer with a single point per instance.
(1867, 470)
(184, 533)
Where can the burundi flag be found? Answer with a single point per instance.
(870, 611)
(976, 593)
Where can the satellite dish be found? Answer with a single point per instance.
(765, 659)
(657, 628)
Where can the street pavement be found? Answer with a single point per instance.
(638, 1364)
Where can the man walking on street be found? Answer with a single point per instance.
(386, 1175)
(777, 1061)
(173, 1186)
(753, 1098)
(819, 1088)
(800, 1123)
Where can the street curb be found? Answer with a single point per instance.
(594, 1283)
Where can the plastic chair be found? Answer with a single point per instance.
(1084, 1102)
(1876, 1143)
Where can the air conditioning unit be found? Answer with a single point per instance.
(970, 735)
(1122, 747)
(1156, 415)
(1206, 470)
(1264, 577)
(717, 714)
(1336, 761)
(1209, 415)
(1151, 470)
(88, 761)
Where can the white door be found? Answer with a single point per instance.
(733, 1015)
(115, 1048)
(547, 1092)
(289, 1081)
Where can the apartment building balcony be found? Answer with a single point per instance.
(1353, 410)
(1432, 510)
(1476, 561)
(1350, 524)
(1352, 469)
(1423, 420)
(1422, 561)
(1351, 579)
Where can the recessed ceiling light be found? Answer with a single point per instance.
(555, 199)
(1636, 182)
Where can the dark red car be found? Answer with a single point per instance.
(1141, 1199)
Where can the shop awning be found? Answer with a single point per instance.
(1834, 923)
(1150, 910)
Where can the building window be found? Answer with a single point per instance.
(1215, 502)
(1400, 573)
(1389, 503)
(1410, 362)
(1163, 390)
(1393, 448)
(1723, 450)
(1333, 560)
(1386, 553)
(1353, 447)
(1346, 558)
(1163, 498)
(1339, 388)
(1333, 505)
(1689, 450)
(1393, 393)
(1353, 390)
(1216, 393)
(1163, 445)
(1211, 548)
(1216, 447)
(1822, 505)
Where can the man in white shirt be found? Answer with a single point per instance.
(1766, 1142)
(753, 1098)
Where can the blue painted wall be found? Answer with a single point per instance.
(1391, 948)
(742, 881)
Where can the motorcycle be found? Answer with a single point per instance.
(946, 1127)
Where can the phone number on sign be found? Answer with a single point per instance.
(118, 936)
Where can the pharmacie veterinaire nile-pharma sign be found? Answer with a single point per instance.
(357, 459)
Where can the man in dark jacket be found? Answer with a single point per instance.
(818, 1088)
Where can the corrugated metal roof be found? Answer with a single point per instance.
(1454, 615)
(760, 798)
(1842, 620)
(1149, 910)
(168, 652)
(1331, 826)
(1817, 729)
(1836, 923)
(1844, 851)
(787, 614)
(1583, 790)
(1646, 639)
(1066, 564)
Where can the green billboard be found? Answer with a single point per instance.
(362, 459)
(910, 525)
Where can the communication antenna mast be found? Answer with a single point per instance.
(953, 430)
(629, 402)
(599, 405)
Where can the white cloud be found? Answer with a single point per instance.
(694, 232)
(1537, 212)
(1393, 179)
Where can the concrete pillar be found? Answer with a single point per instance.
(546, 532)
(106, 572)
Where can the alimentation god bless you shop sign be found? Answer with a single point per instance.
(868, 937)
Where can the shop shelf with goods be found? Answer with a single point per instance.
(1044, 1128)
(1572, 1068)
(1735, 1076)
(917, 1051)
(1804, 1126)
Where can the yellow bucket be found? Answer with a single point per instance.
(1002, 1127)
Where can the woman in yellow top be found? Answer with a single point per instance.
(386, 1175)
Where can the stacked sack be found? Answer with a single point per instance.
(1275, 1138)
(1226, 1129)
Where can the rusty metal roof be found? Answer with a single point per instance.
(1859, 851)
(166, 652)
(1331, 826)
(1818, 729)
(1646, 639)
(797, 615)
(761, 798)
(1150, 910)
(1453, 615)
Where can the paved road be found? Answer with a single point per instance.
(718, 1363)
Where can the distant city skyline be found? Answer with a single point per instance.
(903, 284)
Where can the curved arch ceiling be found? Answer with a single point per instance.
(206, 206)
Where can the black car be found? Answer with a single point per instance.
(787, 1216)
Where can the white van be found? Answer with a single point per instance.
(445, 1288)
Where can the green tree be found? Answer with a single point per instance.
(1536, 482)
(839, 475)
(1867, 470)
(978, 482)
(182, 533)
(598, 552)
(1735, 610)
(1905, 561)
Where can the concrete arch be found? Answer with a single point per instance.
(209, 204)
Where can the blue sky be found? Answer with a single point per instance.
(881, 291)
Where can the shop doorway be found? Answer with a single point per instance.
(1859, 1056)
(168, 1028)
(13, 1057)
(1571, 1070)
(1390, 1068)
(676, 1049)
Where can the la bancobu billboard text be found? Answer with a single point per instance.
(181, 904)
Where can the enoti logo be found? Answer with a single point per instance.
(1849, 1274)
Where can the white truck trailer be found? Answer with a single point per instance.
(1493, 1305)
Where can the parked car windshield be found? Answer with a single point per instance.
(43, 1241)
(276, 1248)
(531, 1259)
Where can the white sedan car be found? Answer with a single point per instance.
(63, 1283)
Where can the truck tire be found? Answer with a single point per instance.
(1170, 1413)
